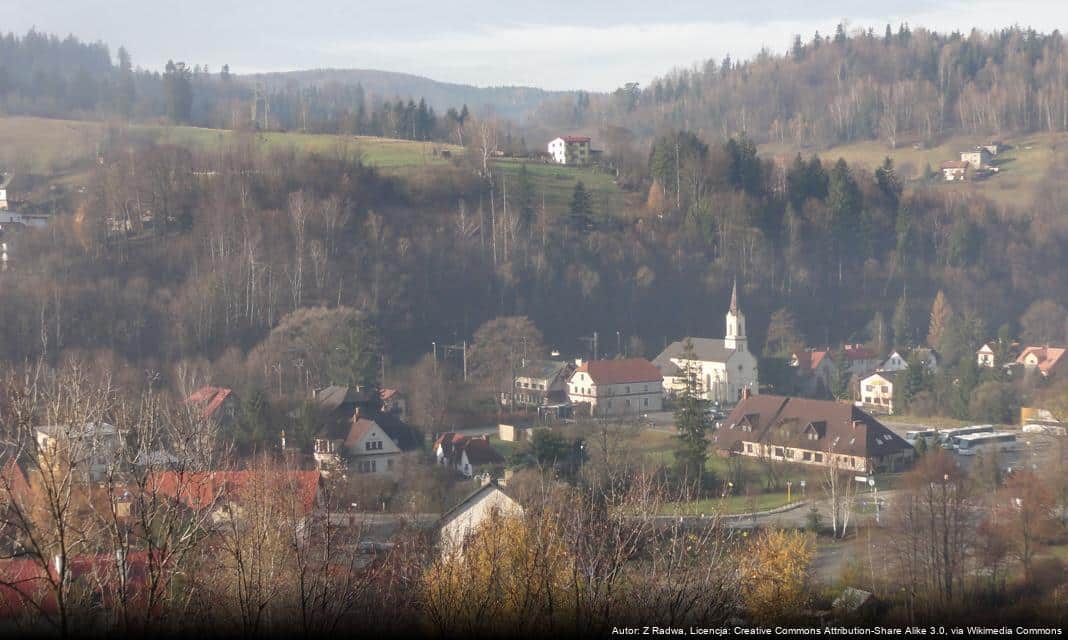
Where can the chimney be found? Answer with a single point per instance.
(578, 362)
(747, 393)
(356, 414)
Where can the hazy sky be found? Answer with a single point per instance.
(555, 44)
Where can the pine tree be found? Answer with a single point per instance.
(581, 209)
(691, 421)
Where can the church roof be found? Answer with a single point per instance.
(705, 350)
(734, 297)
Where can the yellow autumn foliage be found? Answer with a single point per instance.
(514, 574)
(774, 573)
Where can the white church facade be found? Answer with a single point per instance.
(723, 368)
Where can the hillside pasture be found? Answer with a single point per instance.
(1022, 166)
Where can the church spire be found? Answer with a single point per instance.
(735, 338)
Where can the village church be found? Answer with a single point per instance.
(724, 368)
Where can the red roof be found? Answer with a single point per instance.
(620, 371)
(576, 138)
(1048, 357)
(954, 164)
(26, 585)
(209, 399)
(201, 489)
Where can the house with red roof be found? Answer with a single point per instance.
(627, 386)
(466, 454)
(1046, 360)
(223, 492)
(218, 403)
(570, 150)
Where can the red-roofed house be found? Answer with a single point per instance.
(466, 454)
(222, 491)
(27, 585)
(617, 387)
(573, 150)
(214, 402)
(1046, 360)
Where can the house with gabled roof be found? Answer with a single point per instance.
(458, 524)
(570, 150)
(467, 454)
(1046, 360)
(537, 383)
(628, 386)
(218, 403)
(812, 432)
(366, 443)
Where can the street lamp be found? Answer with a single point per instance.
(803, 483)
(875, 494)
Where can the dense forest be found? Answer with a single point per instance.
(910, 85)
(43, 75)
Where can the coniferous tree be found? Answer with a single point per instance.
(691, 422)
(581, 210)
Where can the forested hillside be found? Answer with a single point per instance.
(910, 85)
(43, 75)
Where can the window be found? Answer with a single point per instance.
(628, 388)
(819, 457)
(778, 452)
(645, 402)
(389, 464)
(748, 448)
(806, 456)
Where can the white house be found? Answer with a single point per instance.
(464, 520)
(617, 387)
(898, 361)
(955, 170)
(5, 180)
(723, 367)
(985, 356)
(466, 454)
(876, 392)
(979, 157)
(92, 448)
(369, 445)
(573, 150)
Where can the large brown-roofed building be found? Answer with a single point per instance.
(817, 432)
(617, 387)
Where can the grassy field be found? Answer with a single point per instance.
(46, 146)
(1022, 167)
(728, 506)
(557, 184)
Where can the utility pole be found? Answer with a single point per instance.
(435, 345)
(592, 341)
(619, 344)
(462, 348)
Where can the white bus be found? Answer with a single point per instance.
(927, 435)
(973, 443)
(948, 438)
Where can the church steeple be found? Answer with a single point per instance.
(735, 338)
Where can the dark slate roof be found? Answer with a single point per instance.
(480, 452)
(783, 421)
(542, 369)
(472, 497)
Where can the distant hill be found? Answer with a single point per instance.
(509, 102)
